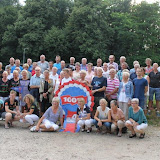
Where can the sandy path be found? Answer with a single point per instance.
(18, 143)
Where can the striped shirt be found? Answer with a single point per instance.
(111, 85)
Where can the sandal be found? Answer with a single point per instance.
(142, 135)
(132, 135)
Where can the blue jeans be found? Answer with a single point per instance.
(153, 91)
(107, 124)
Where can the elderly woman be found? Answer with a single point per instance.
(89, 73)
(4, 86)
(31, 112)
(83, 118)
(15, 83)
(1, 70)
(102, 116)
(118, 119)
(46, 92)
(24, 84)
(76, 73)
(82, 77)
(125, 93)
(49, 119)
(137, 122)
(54, 75)
(12, 112)
(34, 65)
(26, 66)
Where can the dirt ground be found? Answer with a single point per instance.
(18, 143)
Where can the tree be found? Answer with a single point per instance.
(88, 31)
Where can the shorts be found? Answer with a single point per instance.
(141, 104)
(153, 91)
(4, 115)
(48, 124)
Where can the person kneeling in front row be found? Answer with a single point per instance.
(31, 112)
(118, 118)
(11, 112)
(102, 116)
(50, 117)
(83, 116)
(137, 122)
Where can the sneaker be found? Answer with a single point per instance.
(89, 130)
(33, 129)
(82, 130)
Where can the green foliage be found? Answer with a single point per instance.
(80, 28)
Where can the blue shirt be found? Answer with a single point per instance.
(139, 87)
(30, 68)
(14, 67)
(35, 81)
(83, 67)
(138, 117)
(57, 65)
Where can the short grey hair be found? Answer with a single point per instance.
(135, 100)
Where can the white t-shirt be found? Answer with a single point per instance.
(122, 95)
(10, 76)
(65, 80)
(103, 114)
(54, 78)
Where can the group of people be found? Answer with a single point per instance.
(121, 94)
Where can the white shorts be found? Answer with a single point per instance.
(48, 124)
(142, 126)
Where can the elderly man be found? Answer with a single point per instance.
(35, 84)
(124, 65)
(154, 88)
(133, 75)
(112, 86)
(98, 84)
(84, 64)
(72, 63)
(17, 64)
(111, 62)
(58, 62)
(99, 62)
(29, 62)
(42, 63)
(11, 63)
(63, 65)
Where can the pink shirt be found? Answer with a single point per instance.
(111, 85)
(119, 115)
(89, 77)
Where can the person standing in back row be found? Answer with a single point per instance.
(98, 84)
(140, 88)
(154, 88)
